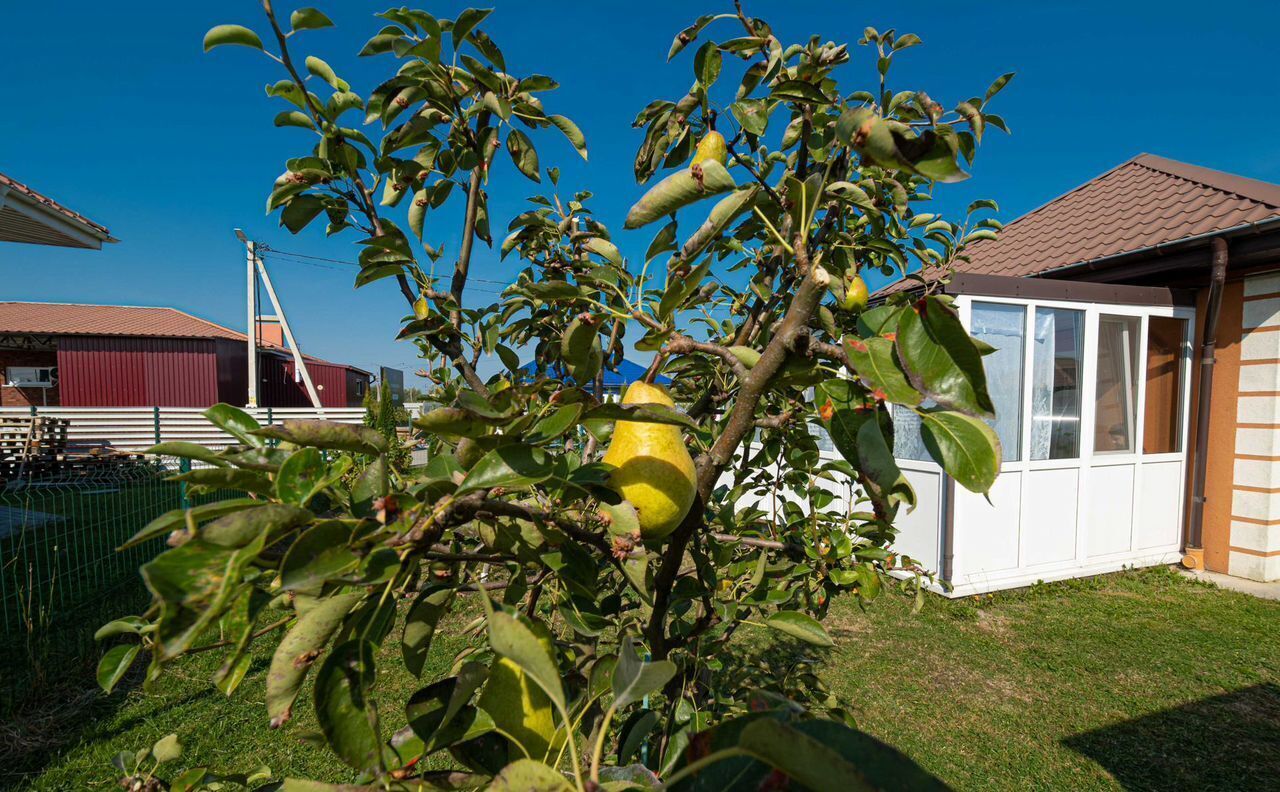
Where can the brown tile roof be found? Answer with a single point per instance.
(1141, 203)
(42, 200)
(35, 318)
(116, 320)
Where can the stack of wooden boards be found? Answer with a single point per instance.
(36, 445)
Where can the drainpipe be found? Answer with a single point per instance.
(1194, 557)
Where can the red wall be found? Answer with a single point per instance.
(280, 388)
(107, 371)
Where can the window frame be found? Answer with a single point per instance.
(1092, 311)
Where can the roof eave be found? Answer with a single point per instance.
(61, 230)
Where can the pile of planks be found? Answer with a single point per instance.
(32, 444)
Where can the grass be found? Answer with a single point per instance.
(1142, 680)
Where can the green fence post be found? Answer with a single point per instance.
(184, 466)
(155, 411)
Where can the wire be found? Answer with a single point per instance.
(357, 264)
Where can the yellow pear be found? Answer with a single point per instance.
(653, 470)
(711, 147)
(519, 707)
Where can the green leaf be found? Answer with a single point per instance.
(513, 467)
(706, 64)
(235, 422)
(439, 714)
(799, 91)
(571, 132)
(725, 211)
(344, 711)
(605, 249)
(875, 363)
(180, 448)
(640, 413)
(752, 114)
(452, 421)
(301, 476)
(241, 527)
(300, 212)
(662, 242)
(167, 749)
(325, 72)
(678, 191)
(231, 34)
(115, 663)
(966, 447)
(294, 118)
(127, 625)
(309, 19)
(299, 647)
(940, 359)
(523, 154)
(173, 520)
(998, 85)
(803, 758)
(633, 679)
(328, 434)
(466, 22)
(555, 424)
(511, 639)
(527, 775)
(228, 478)
(420, 626)
(800, 625)
(876, 462)
(319, 555)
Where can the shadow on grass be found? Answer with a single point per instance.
(1231, 741)
(49, 696)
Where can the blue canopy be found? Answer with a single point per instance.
(626, 374)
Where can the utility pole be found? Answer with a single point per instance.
(257, 269)
(288, 335)
(251, 333)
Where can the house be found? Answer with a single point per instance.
(59, 354)
(27, 216)
(1136, 378)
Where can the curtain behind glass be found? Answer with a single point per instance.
(1055, 383)
(1116, 414)
(1003, 327)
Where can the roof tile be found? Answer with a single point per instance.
(1146, 201)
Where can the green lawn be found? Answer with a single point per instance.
(1142, 680)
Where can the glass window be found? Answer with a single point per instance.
(1003, 327)
(1162, 414)
(907, 440)
(1117, 395)
(1055, 383)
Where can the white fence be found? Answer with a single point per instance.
(137, 428)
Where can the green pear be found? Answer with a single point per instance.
(653, 470)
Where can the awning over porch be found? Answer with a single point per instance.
(29, 217)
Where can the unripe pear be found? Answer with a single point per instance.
(421, 309)
(519, 708)
(711, 147)
(747, 356)
(855, 294)
(653, 470)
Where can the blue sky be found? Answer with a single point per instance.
(114, 110)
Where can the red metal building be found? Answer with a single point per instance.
(125, 356)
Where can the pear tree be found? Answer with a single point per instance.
(641, 582)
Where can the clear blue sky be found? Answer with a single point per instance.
(114, 110)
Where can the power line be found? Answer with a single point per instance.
(357, 264)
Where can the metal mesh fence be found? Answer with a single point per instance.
(59, 534)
